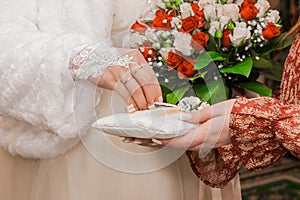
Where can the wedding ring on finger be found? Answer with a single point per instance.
(127, 80)
(136, 69)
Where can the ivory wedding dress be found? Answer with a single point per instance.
(42, 156)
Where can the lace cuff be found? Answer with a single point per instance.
(92, 61)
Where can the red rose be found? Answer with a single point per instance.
(226, 39)
(249, 13)
(171, 12)
(186, 68)
(270, 31)
(189, 24)
(138, 27)
(247, 3)
(196, 9)
(199, 40)
(161, 21)
(174, 59)
(149, 52)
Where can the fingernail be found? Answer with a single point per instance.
(126, 140)
(156, 141)
(160, 99)
(185, 116)
(151, 107)
(131, 108)
(137, 142)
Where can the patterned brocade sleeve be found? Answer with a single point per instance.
(215, 170)
(262, 130)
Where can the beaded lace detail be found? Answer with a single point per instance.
(93, 60)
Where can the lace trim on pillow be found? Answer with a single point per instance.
(93, 60)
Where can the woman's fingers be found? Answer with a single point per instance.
(125, 95)
(210, 134)
(127, 87)
(185, 141)
(199, 116)
(135, 91)
(140, 141)
(148, 81)
(216, 110)
(144, 75)
(137, 84)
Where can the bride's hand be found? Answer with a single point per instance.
(137, 84)
(212, 130)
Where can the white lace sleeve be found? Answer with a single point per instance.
(92, 61)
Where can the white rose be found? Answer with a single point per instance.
(214, 26)
(182, 43)
(239, 35)
(186, 10)
(231, 11)
(175, 22)
(210, 12)
(151, 35)
(262, 6)
(224, 21)
(219, 10)
(273, 16)
(241, 24)
(239, 2)
(158, 4)
(165, 51)
(189, 103)
(203, 3)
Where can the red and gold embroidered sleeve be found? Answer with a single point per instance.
(262, 130)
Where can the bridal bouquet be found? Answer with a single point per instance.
(209, 48)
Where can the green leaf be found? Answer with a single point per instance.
(211, 45)
(215, 56)
(272, 45)
(175, 96)
(274, 73)
(213, 92)
(257, 87)
(285, 44)
(242, 68)
(202, 61)
(201, 75)
(262, 63)
(207, 57)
